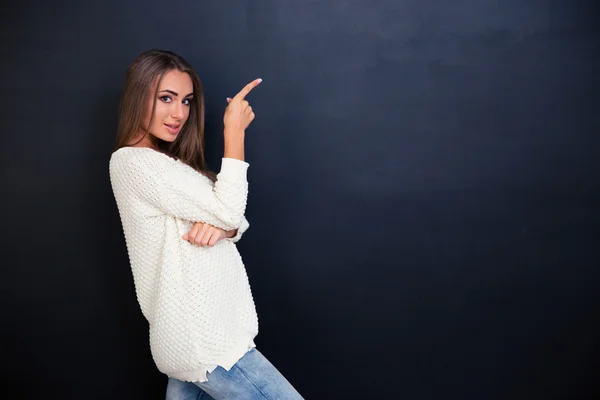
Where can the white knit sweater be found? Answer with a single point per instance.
(197, 300)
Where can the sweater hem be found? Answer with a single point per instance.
(226, 361)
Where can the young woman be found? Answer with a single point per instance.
(181, 222)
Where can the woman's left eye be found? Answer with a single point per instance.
(187, 102)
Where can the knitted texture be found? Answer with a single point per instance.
(197, 300)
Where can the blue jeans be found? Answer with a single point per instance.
(252, 377)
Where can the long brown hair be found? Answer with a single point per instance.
(148, 68)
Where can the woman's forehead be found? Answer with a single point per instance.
(175, 79)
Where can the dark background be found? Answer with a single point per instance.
(424, 193)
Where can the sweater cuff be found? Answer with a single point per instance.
(243, 228)
(234, 168)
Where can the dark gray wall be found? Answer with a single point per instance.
(424, 193)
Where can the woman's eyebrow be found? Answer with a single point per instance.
(174, 93)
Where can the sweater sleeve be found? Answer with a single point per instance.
(184, 193)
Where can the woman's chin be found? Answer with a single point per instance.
(168, 138)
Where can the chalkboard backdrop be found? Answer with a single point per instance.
(424, 193)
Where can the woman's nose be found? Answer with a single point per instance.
(177, 112)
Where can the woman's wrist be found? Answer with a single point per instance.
(234, 148)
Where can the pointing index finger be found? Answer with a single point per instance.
(244, 92)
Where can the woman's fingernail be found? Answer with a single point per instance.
(259, 80)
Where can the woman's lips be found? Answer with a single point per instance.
(173, 129)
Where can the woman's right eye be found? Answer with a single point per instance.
(166, 99)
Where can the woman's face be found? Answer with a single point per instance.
(172, 109)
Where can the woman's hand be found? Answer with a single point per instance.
(239, 114)
(205, 235)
